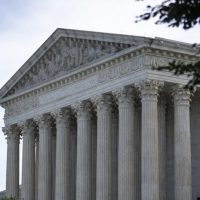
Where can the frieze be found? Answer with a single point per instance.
(120, 69)
(133, 65)
(19, 107)
(64, 56)
(110, 72)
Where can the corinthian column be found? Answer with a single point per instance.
(137, 149)
(84, 152)
(73, 156)
(53, 158)
(127, 155)
(62, 154)
(170, 149)
(115, 138)
(12, 171)
(104, 148)
(45, 158)
(150, 165)
(28, 160)
(162, 147)
(94, 155)
(36, 164)
(183, 189)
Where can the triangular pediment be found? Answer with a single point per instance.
(63, 52)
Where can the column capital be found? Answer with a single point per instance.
(43, 120)
(181, 96)
(124, 95)
(83, 109)
(12, 132)
(103, 102)
(61, 115)
(27, 126)
(149, 88)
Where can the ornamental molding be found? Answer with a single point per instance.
(66, 51)
(114, 67)
(12, 132)
(27, 127)
(66, 55)
(17, 107)
(150, 89)
(143, 57)
(124, 96)
(103, 102)
(62, 115)
(74, 35)
(182, 96)
(83, 110)
(44, 121)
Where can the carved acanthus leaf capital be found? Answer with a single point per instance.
(83, 109)
(181, 96)
(103, 102)
(124, 95)
(12, 132)
(44, 120)
(27, 126)
(61, 115)
(149, 89)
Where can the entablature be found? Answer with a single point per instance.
(126, 67)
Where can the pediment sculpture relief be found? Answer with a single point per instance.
(66, 55)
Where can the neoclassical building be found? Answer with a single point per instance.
(97, 122)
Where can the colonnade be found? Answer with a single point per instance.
(118, 152)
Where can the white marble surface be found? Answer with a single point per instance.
(109, 153)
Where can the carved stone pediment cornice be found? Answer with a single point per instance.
(66, 55)
(70, 59)
(67, 50)
(101, 44)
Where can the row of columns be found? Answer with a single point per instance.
(147, 159)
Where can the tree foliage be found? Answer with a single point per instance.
(183, 13)
(177, 13)
(192, 70)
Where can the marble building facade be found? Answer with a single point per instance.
(96, 122)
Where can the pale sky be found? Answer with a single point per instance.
(26, 24)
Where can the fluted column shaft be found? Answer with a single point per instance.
(115, 138)
(84, 152)
(162, 147)
(126, 161)
(53, 163)
(36, 165)
(104, 148)
(183, 189)
(28, 161)
(62, 155)
(170, 150)
(45, 158)
(12, 171)
(94, 156)
(150, 166)
(73, 157)
(137, 149)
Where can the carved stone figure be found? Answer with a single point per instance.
(65, 55)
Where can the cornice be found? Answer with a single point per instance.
(100, 65)
(159, 43)
(58, 33)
